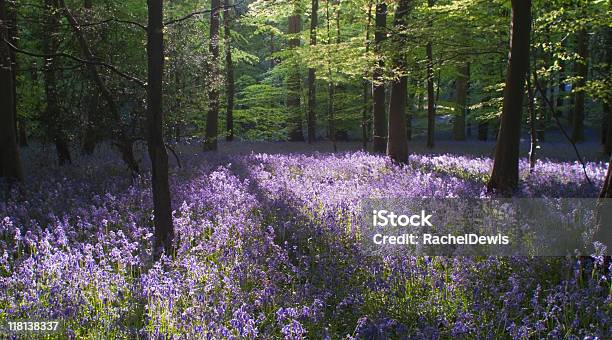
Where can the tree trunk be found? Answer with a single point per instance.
(330, 86)
(379, 132)
(312, 96)
(504, 177)
(533, 145)
(90, 138)
(162, 209)
(410, 106)
(431, 108)
(367, 89)
(608, 103)
(10, 162)
(23, 135)
(229, 71)
(124, 142)
(294, 83)
(483, 130)
(581, 68)
(52, 117)
(397, 143)
(212, 119)
(463, 74)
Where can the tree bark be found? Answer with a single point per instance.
(162, 209)
(312, 96)
(379, 132)
(431, 108)
(581, 68)
(294, 83)
(229, 70)
(367, 89)
(212, 119)
(504, 177)
(608, 101)
(23, 135)
(463, 74)
(124, 142)
(397, 142)
(10, 162)
(90, 137)
(52, 116)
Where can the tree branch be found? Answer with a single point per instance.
(91, 62)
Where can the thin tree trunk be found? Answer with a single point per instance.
(312, 95)
(581, 68)
(504, 177)
(90, 138)
(124, 142)
(608, 103)
(379, 132)
(10, 162)
(365, 121)
(294, 82)
(397, 142)
(229, 69)
(212, 119)
(461, 101)
(533, 145)
(162, 209)
(23, 135)
(330, 85)
(410, 103)
(431, 108)
(52, 113)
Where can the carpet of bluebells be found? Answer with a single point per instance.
(266, 247)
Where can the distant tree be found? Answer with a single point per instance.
(294, 81)
(312, 95)
(504, 177)
(212, 119)
(379, 143)
(52, 115)
(431, 104)
(397, 142)
(229, 70)
(461, 84)
(581, 69)
(123, 141)
(607, 102)
(162, 209)
(10, 162)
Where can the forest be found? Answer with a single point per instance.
(207, 169)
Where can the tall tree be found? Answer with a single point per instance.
(312, 95)
(431, 104)
(10, 162)
(504, 177)
(229, 70)
(365, 120)
(330, 84)
(581, 69)
(123, 141)
(52, 115)
(607, 102)
(212, 119)
(379, 132)
(162, 209)
(461, 88)
(397, 143)
(294, 82)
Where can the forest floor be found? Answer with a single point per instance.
(562, 151)
(268, 246)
